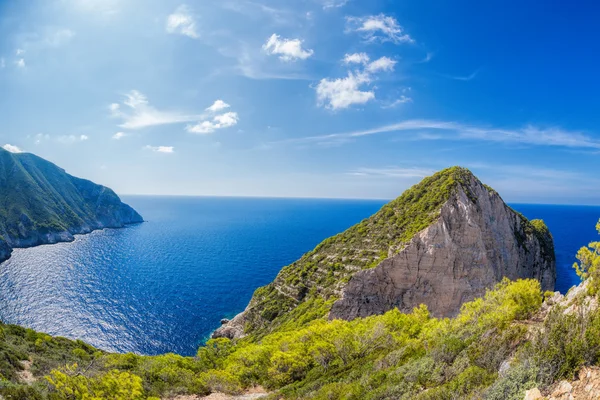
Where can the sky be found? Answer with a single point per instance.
(306, 98)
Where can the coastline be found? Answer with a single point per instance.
(37, 239)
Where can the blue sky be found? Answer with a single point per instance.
(310, 98)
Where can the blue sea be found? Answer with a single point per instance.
(164, 285)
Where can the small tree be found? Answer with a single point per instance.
(589, 260)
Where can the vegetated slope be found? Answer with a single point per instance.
(498, 347)
(512, 340)
(442, 242)
(40, 203)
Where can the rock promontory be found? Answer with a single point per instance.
(443, 242)
(40, 204)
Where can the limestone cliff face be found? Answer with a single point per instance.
(441, 243)
(476, 242)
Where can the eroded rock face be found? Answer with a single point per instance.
(476, 242)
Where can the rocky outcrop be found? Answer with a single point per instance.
(441, 243)
(585, 387)
(477, 241)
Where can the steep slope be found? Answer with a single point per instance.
(441, 243)
(40, 203)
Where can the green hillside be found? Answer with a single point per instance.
(41, 203)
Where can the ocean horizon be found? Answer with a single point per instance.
(164, 285)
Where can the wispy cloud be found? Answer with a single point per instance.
(68, 139)
(20, 63)
(58, 37)
(403, 99)
(392, 172)
(428, 57)
(136, 113)
(160, 149)
(12, 148)
(97, 7)
(257, 10)
(119, 135)
(182, 22)
(529, 134)
(378, 28)
(327, 4)
(463, 77)
(287, 49)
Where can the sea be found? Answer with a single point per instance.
(164, 285)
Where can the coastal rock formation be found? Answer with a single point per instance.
(441, 243)
(476, 241)
(40, 203)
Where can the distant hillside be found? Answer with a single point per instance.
(441, 243)
(40, 203)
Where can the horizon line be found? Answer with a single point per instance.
(324, 198)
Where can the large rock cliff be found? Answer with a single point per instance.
(40, 203)
(476, 241)
(443, 242)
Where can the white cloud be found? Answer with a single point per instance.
(344, 92)
(182, 22)
(20, 63)
(356, 58)
(68, 139)
(12, 148)
(19, 52)
(218, 105)
(119, 135)
(212, 121)
(286, 49)
(2, 62)
(220, 121)
(140, 114)
(380, 27)
(161, 149)
(381, 64)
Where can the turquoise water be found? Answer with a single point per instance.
(164, 285)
